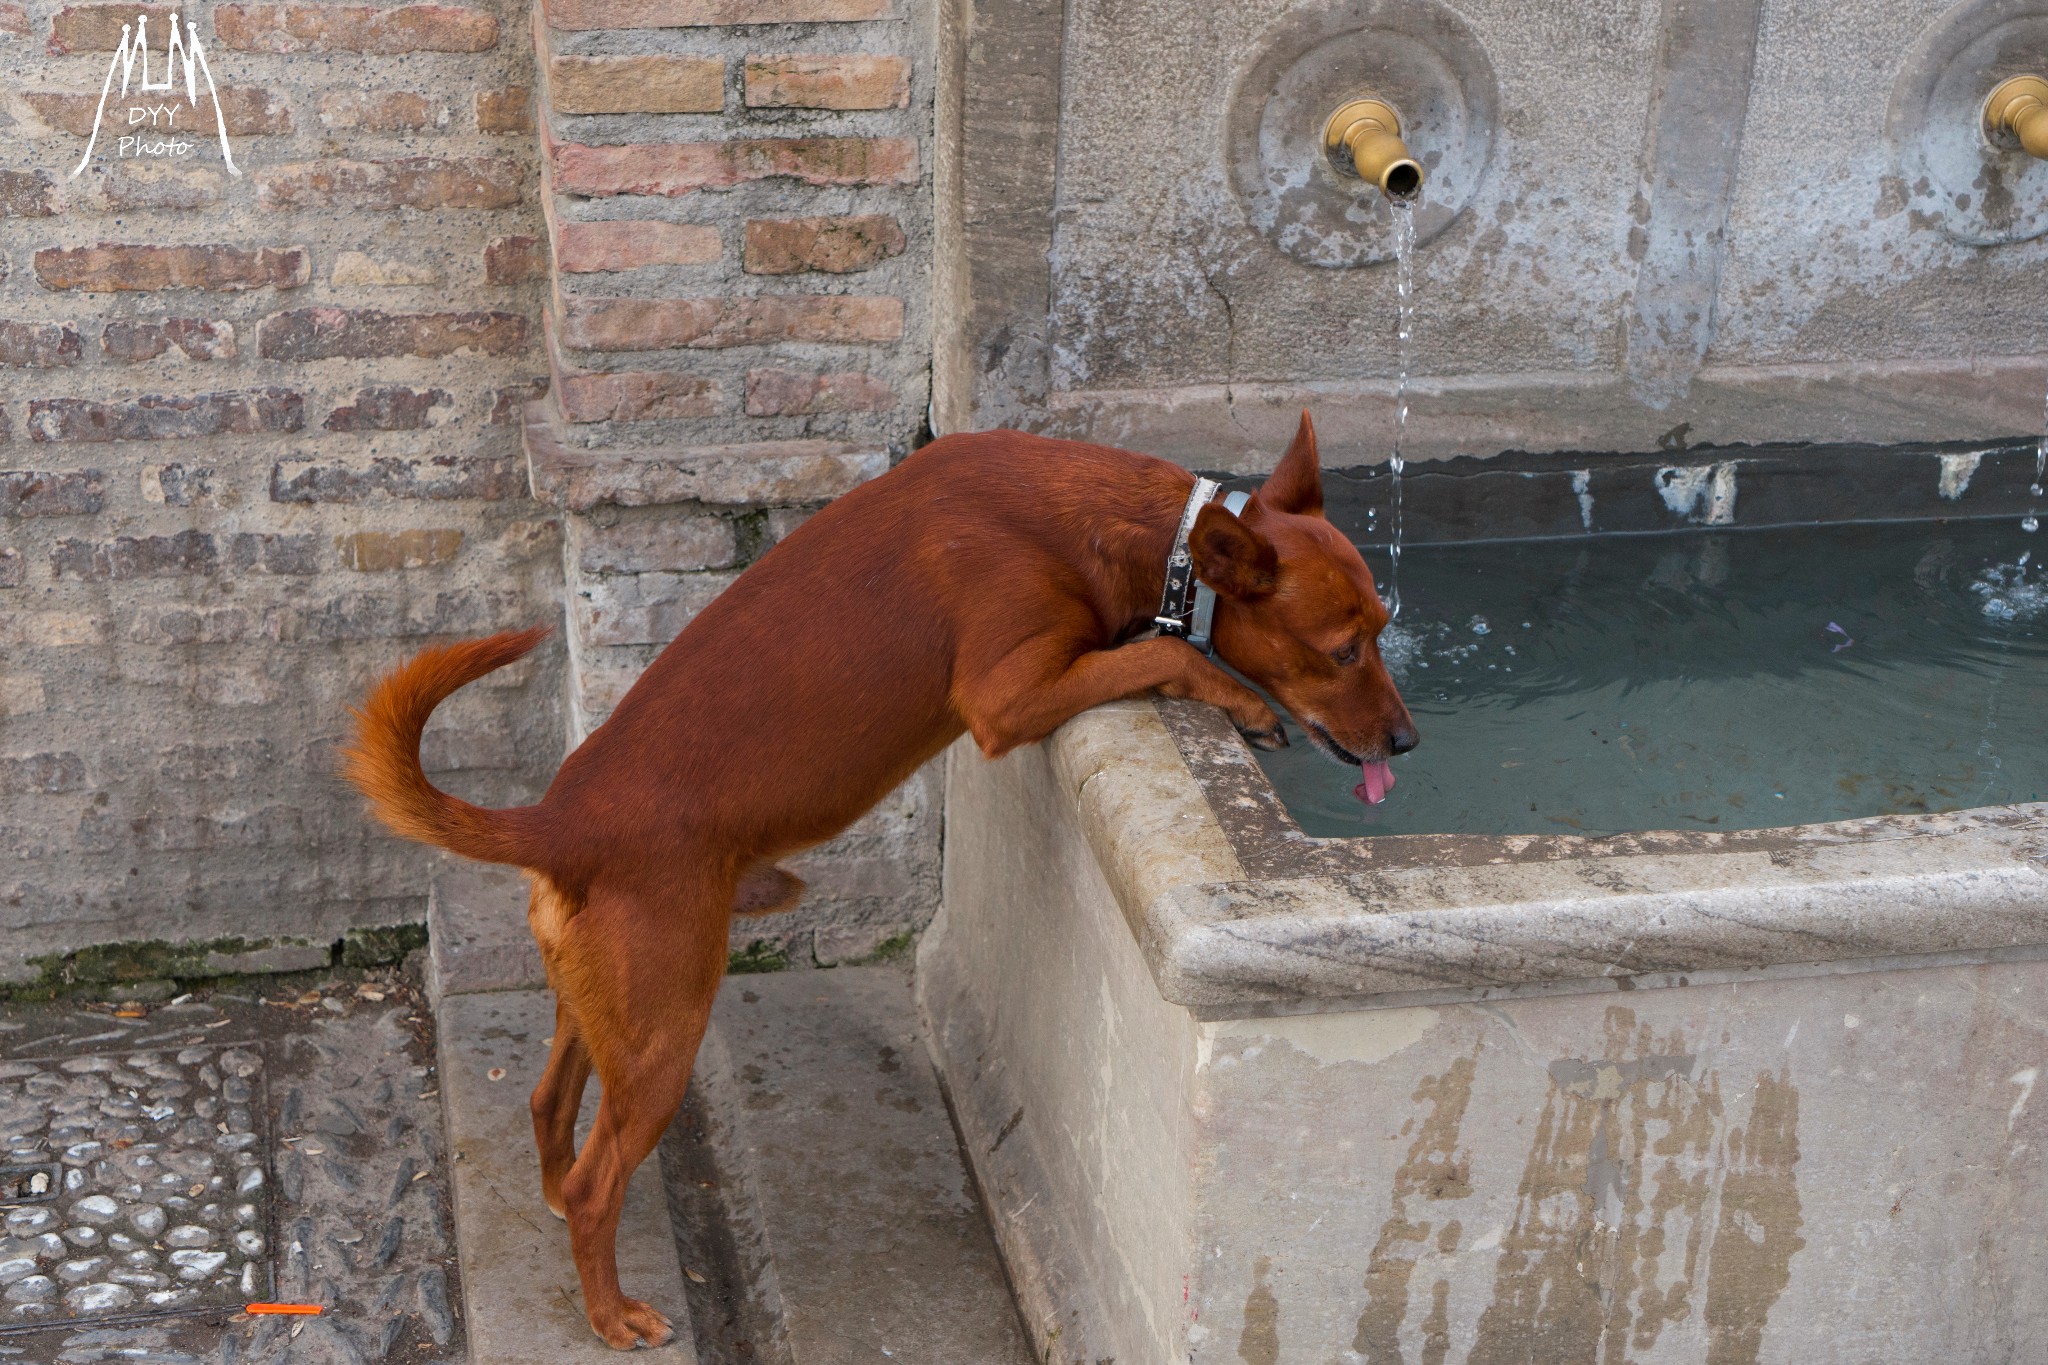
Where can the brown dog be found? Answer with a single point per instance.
(984, 585)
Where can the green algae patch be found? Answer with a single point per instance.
(762, 955)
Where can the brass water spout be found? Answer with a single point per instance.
(2019, 108)
(1363, 138)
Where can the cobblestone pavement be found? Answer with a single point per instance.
(159, 1172)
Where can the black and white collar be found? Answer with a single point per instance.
(1178, 616)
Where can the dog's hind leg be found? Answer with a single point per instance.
(641, 970)
(555, 1103)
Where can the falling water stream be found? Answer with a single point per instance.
(1404, 331)
(2031, 522)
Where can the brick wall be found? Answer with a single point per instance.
(259, 439)
(260, 434)
(737, 330)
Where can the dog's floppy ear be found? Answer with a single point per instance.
(1230, 556)
(1297, 484)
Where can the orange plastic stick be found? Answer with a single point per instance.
(311, 1310)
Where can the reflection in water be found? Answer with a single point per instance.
(1714, 680)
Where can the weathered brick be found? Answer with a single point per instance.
(656, 544)
(13, 20)
(643, 608)
(28, 194)
(379, 551)
(43, 493)
(629, 244)
(44, 774)
(656, 324)
(677, 168)
(812, 81)
(179, 556)
(21, 694)
(795, 393)
(248, 111)
(109, 267)
(357, 270)
(589, 14)
(161, 417)
(509, 110)
(514, 260)
(636, 85)
(438, 479)
(182, 485)
(51, 629)
(391, 407)
(359, 333)
(195, 338)
(263, 552)
(638, 395)
(837, 246)
(383, 111)
(189, 625)
(39, 345)
(508, 403)
(384, 615)
(128, 187)
(412, 182)
(13, 568)
(97, 28)
(755, 473)
(234, 761)
(355, 28)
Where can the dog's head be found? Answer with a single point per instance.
(1298, 613)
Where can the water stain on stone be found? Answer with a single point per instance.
(1259, 1343)
(1619, 1165)
(1759, 1224)
(1435, 1169)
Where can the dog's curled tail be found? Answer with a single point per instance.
(384, 760)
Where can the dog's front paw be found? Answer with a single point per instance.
(1263, 732)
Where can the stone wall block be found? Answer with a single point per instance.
(835, 246)
(653, 542)
(361, 333)
(194, 338)
(391, 407)
(635, 395)
(354, 28)
(508, 110)
(248, 111)
(797, 393)
(816, 81)
(382, 551)
(636, 85)
(109, 267)
(161, 417)
(514, 260)
(657, 324)
(48, 493)
(383, 111)
(601, 14)
(39, 345)
(679, 168)
(632, 243)
(412, 182)
(436, 479)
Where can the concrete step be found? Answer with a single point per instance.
(823, 1210)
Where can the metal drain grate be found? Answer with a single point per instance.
(136, 1185)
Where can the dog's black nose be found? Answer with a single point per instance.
(1401, 740)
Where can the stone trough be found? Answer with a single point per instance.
(1233, 1093)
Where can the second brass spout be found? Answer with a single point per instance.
(1364, 137)
(2019, 108)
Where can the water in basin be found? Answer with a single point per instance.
(1710, 680)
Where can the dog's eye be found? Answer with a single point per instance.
(1347, 655)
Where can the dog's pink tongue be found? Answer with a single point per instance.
(1379, 780)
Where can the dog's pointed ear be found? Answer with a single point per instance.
(1296, 485)
(1231, 557)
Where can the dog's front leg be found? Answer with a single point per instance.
(1039, 687)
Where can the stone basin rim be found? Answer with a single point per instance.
(1238, 914)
